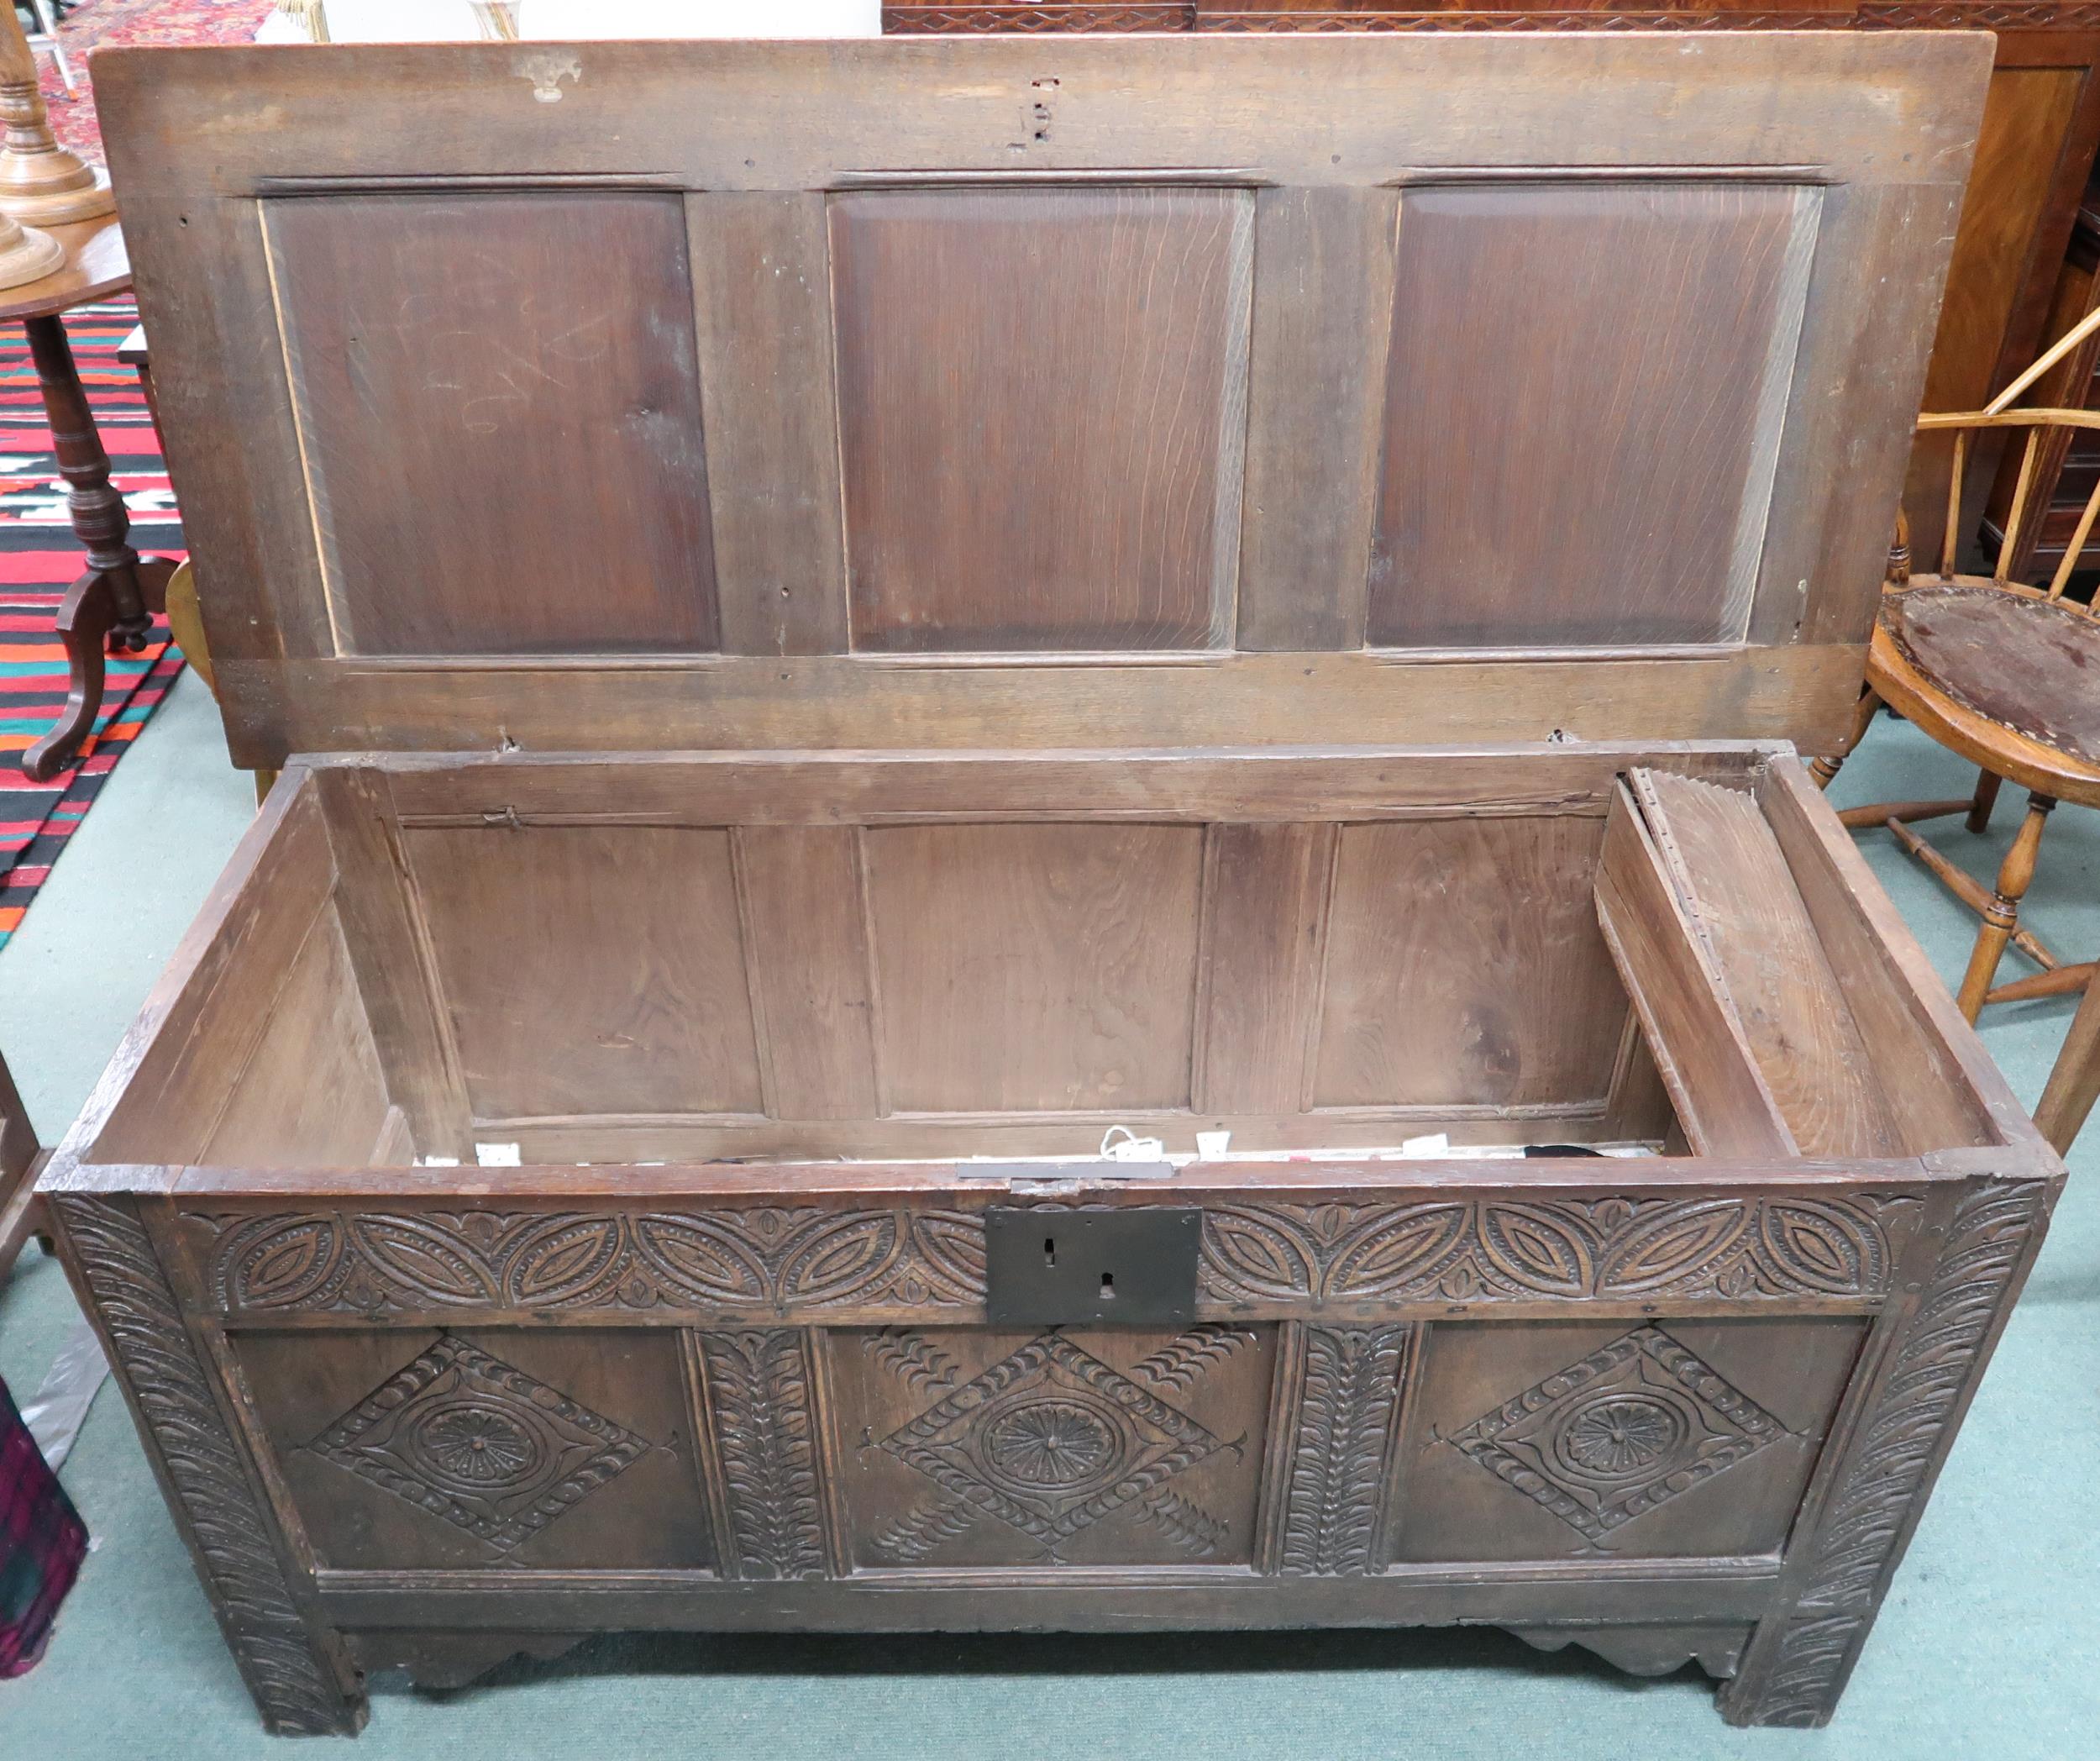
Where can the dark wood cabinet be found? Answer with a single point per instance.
(841, 621)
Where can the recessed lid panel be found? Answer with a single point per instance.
(1115, 392)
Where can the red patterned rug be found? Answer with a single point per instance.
(38, 556)
(93, 24)
(38, 560)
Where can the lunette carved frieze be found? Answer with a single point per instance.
(765, 1432)
(1348, 1404)
(767, 1260)
(1794, 1677)
(1470, 1250)
(294, 1686)
(771, 1262)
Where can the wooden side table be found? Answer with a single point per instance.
(112, 605)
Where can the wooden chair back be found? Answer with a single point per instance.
(2027, 504)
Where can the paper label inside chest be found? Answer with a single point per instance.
(882, 625)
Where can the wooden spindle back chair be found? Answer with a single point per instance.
(2005, 673)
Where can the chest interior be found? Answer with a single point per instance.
(899, 958)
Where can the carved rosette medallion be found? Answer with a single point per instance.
(1051, 1440)
(480, 1444)
(1625, 1431)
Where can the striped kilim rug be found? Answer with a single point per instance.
(38, 560)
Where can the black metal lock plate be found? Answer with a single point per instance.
(1129, 1266)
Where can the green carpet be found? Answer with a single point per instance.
(1989, 1646)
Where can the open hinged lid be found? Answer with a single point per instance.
(1025, 392)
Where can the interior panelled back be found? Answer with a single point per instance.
(880, 956)
(928, 364)
(873, 955)
(1041, 968)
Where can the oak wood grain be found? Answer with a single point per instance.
(1421, 912)
(311, 1092)
(1068, 476)
(1732, 880)
(1484, 534)
(1266, 889)
(389, 946)
(806, 946)
(500, 416)
(761, 271)
(214, 1010)
(1942, 1085)
(652, 1011)
(1050, 967)
(1313, 415)
(1721, 1095)
(1806, 693)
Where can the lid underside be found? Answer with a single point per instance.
(1006, 393)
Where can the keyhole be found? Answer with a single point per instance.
(1049, 1250)
(1108, 1286)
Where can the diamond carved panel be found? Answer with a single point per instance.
(1627, 1429)
(480, 1444)
(1051, 1440)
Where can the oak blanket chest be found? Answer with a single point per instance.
(841, 621)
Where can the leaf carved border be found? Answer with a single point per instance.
(295, 1686)
(774, 1262)
(1468, 1250)
(1798, 1662)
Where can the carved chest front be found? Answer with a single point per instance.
(850, 626)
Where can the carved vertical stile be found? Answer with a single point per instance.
(707, 1458)
(301, 1682)
(831, 1477)
(387, 936)
(1281, 1441)
(1329, 1514)
(1837, 1574)
(762, 1447)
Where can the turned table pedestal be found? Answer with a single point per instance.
(111, 607)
